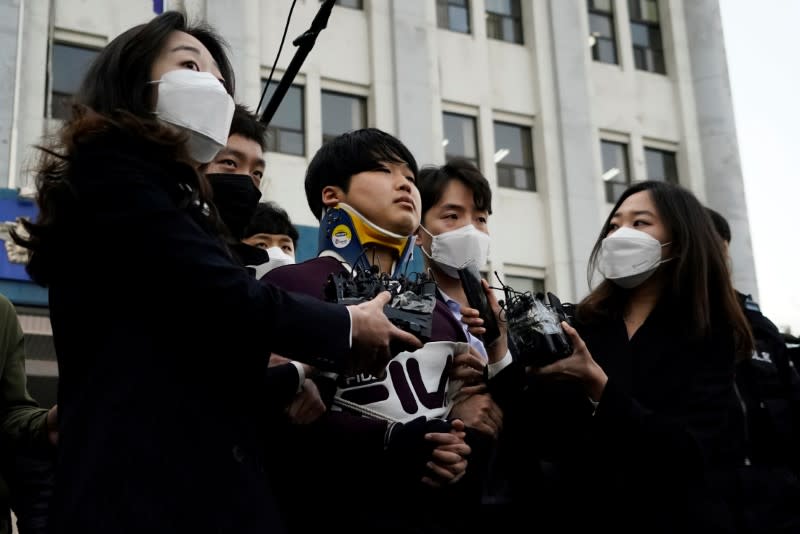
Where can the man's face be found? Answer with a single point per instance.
(240, 156)
(387, 196)
(455, 209)
(265, 241)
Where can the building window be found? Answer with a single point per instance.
(453, 15)
(504, 20)
(648, 50)
(514, 156)
(342, 113)
(525, 283)
(601, 26)
(460, 138)
(286, 130)
(616, 174)
(70, 64)
(661, 165)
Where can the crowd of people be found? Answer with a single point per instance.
(210, 383)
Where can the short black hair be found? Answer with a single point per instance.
(348, 154)
(432, 182)
(246, 124)
(270, 218)
(720, 224)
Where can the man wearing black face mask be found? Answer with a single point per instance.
(235, 175)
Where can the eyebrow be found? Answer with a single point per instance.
(637, 212)
(457, 207)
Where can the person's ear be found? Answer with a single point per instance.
(332, 195)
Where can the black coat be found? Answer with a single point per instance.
(162, 344)
(666, 424)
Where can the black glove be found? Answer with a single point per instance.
(407, 450)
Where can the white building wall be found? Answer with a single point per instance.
(410, 71)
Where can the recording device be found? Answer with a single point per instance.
(470, 278)
(535, 336)
(413, 297)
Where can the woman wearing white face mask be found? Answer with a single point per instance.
(649, 394)
(162, 340)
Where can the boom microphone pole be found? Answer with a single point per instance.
(304, 44)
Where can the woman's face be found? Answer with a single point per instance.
(639, 212)
(182, 51)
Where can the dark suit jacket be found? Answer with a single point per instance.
(162, 344)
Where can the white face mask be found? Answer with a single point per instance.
(456, 249)
(277, 258)
(628, 257)
(198, 103)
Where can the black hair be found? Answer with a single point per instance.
(697, 278)
(432, 182)
(349, 154)
(720, 224)
(115, 96)
(270, 218)
(246, 124)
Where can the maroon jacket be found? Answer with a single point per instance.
(344, 450)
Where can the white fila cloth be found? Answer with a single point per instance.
(415, 383)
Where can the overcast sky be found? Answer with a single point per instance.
(761, 41)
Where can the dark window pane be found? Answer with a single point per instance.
(460, 136)
(459, 19)
(648, 49)
(442, 17)
(661, 165)
(69, 65)
(342, 113)
(640, 35)
(658, 62)
(650, 10)
(605, 51)
(286, 131)
(615, 169)
(601, 24)
(501, 7)
(291, 143)
(601, 5)
(504, 20)
(355, 4)
(514, 156)
(523, 283)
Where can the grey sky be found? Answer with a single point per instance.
(761, 45)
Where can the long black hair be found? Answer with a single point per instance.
(696, 280)
(115, 95)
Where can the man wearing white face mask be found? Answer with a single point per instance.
(454, 233)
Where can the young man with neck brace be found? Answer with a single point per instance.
(391, 437)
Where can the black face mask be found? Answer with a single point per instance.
(236, 198)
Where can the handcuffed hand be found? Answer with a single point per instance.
(479, 411)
